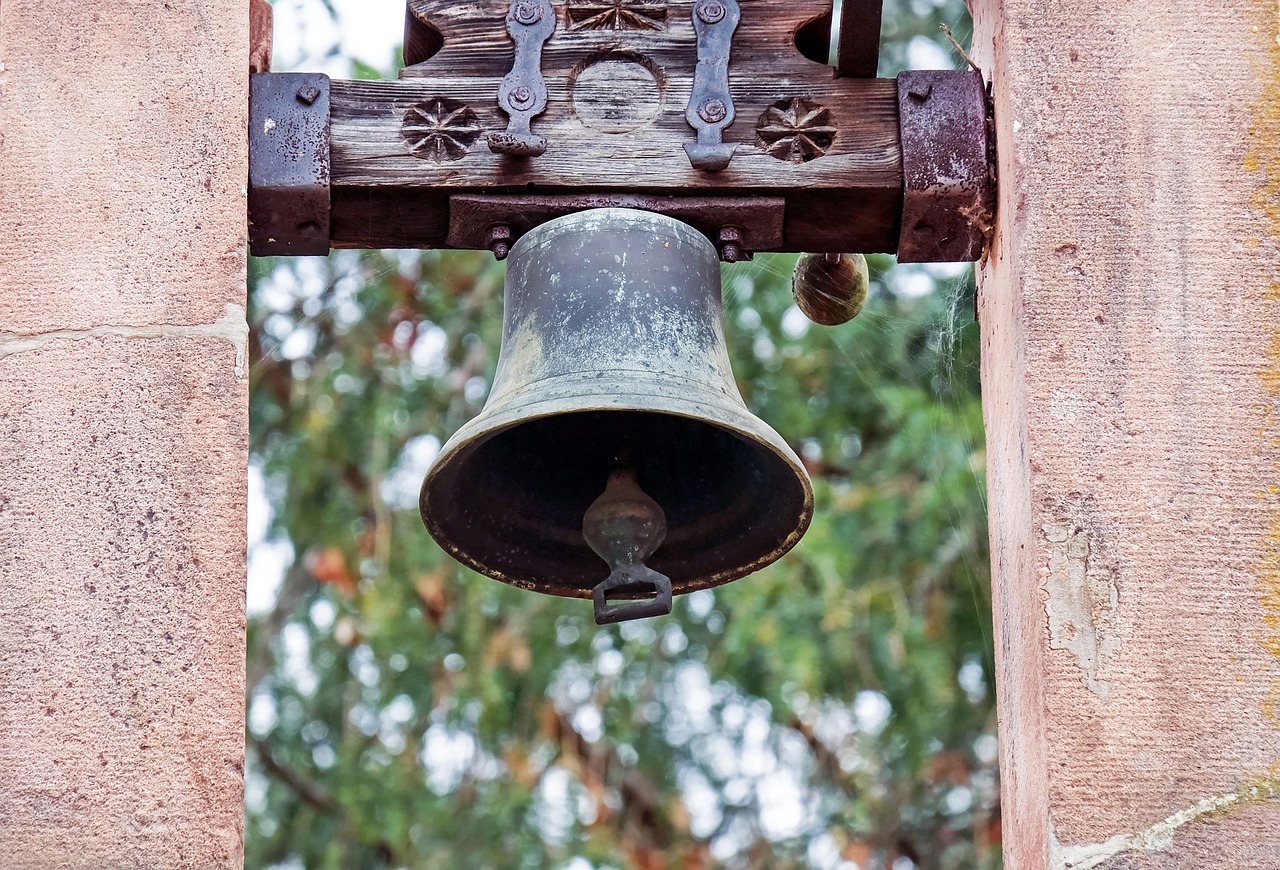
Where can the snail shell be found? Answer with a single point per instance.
(831, 288)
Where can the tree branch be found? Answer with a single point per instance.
(312, 794)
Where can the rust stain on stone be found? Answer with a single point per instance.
(1263, 159)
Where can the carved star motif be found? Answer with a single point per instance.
(796, 130)
(440, 130)
(617, 15)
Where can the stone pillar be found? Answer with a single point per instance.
(123, 433)
(1131, 361)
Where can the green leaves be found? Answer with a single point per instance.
(415, 710)
(836, 706)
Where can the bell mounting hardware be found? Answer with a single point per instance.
(618, 151)
(656, 101)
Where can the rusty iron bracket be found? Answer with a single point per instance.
(711, 103)
(948, 188)
(288, 164)
(523, 93)
(751, 223)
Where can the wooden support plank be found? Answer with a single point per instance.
(371, 148)
(848, 200)
(261, 19)
(858, 50)
(1130, 379)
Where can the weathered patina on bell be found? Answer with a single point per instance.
(614, 366)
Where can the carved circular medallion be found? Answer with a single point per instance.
(440, 130)
(796, 130)
(617, 92)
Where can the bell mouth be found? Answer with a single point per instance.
(507, 495)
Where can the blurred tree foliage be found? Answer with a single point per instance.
(832, 711)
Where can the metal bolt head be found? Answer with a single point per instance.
(308, 94)
(500, 238)
(528, 12)
(712, 11)
(521, 97)
(713, 111)
(729, 241)
(921, 93)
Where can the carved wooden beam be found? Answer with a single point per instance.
(621, 88)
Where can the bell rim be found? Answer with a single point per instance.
(739, 423)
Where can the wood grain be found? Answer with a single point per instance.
(618, 91)
(260, 36)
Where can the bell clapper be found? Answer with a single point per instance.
(624, 527)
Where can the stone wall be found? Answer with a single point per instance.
(123, 433)
(1131, 361)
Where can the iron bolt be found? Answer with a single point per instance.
(713, 111)
(500, 238)
(521, 97)
(308, 94)
(528, 12)
(921, 93)
(712, 11)
(729, 241)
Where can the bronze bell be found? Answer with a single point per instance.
(614, 393)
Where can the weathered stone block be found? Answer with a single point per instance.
(122, 162)
(122, 553)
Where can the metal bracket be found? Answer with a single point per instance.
(630, 579)
(523, 93)
(711, 104)
(288, 164)
(752, 223)
(947, 203)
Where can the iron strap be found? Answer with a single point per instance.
(947, 184)
(523, 93)
(711, 104)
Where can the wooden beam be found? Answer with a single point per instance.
(260, 36)
(858, 47)
(850, 199)
(620, 111)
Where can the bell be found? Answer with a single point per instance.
(615, 458)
